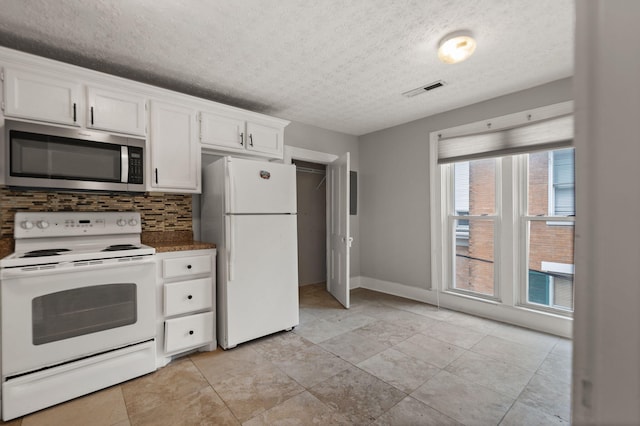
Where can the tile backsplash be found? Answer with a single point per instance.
(160, 212)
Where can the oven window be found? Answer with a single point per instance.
(86, 310)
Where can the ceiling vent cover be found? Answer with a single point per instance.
(426, 88)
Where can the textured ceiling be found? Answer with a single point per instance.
(336, 64)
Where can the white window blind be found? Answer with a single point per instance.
(542, 135)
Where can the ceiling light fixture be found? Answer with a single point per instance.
(456, 47)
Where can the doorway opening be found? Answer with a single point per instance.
(311, 195)
(337, 237)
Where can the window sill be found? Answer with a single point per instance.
(473, 296)
(554, 313)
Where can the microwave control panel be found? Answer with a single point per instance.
(136, 165)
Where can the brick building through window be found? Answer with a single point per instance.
(550, 195)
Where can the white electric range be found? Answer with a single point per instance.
(77, 302)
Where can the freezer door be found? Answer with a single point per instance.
(262, 278)
(260, 187)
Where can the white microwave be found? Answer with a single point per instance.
(42, 156)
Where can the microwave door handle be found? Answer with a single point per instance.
(124, 164)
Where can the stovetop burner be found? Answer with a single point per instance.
(46, 252)
(116, 247)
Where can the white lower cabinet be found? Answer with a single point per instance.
(186, 303)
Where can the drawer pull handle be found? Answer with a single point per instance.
(188, 266)
(190, 332)
(189, 297)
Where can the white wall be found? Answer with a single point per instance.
(606, 363)
(323, 140)
(394, 191)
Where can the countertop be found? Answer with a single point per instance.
(173, 241)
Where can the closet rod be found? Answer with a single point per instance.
(308, 170)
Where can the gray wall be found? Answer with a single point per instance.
(394, 188)
(323, 140)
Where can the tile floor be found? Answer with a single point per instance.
(386, 361)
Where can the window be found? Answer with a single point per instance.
(475, 217)
(549, 248)
(503, 215)
(473, 224)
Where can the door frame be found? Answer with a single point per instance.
(294, 153)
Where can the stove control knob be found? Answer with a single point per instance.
(133, 222)
(121, 222)
(42, 224)
(25, 224)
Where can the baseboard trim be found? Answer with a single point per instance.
(355, 282)
(540, 321)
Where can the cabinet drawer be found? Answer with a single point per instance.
(186, 266)
(187, 296)
(188, 332)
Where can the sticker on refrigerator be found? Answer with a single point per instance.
(265, 174)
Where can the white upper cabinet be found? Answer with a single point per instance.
(47, 97)
(222, 132)
(265, 139)
(175, 152)
(219, 132)
(41, 96)
(115, 111)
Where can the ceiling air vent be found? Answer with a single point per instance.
(428, 87)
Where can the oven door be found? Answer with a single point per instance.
(52, 314)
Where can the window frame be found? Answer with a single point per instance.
(508, 308)
(522, 176)
(451, 230)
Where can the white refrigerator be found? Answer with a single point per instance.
(248, 209)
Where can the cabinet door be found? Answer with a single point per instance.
(175, 153)
(265, 139)
(41, 97)
(222, 132)
(115, 111)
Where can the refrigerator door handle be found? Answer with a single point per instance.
(230, 251)
(230, 189)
